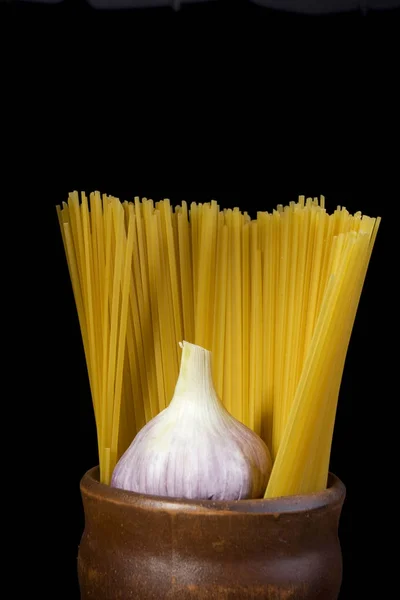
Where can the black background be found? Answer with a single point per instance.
(226, 101)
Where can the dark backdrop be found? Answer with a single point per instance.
(230, 102)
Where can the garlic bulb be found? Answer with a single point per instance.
(194, 448)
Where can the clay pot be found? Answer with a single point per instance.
(143, 547)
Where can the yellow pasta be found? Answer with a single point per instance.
(194, 226)
(294, 452)
(220, 310)
(290, 316)
(274, 298)
(172, 277)
(227, 389)
(169, 354)
(125, 285)
(205, 268)
(186, 274)
(157, 398)
(91, 307)
(236, 315)
(245, 320)
(144, 316)
(269, 311)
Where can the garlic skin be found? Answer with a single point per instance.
(195, 449)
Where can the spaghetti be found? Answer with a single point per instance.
(273, 298)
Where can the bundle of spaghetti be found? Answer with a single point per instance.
(301, 464)
(99, 250)
(273, 298)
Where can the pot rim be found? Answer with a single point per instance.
(333, 495)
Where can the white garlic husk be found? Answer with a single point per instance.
(195, 449)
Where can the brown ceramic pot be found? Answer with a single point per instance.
(143, 547)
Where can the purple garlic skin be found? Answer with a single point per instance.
(195, 449)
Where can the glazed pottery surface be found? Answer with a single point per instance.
(146, 547)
